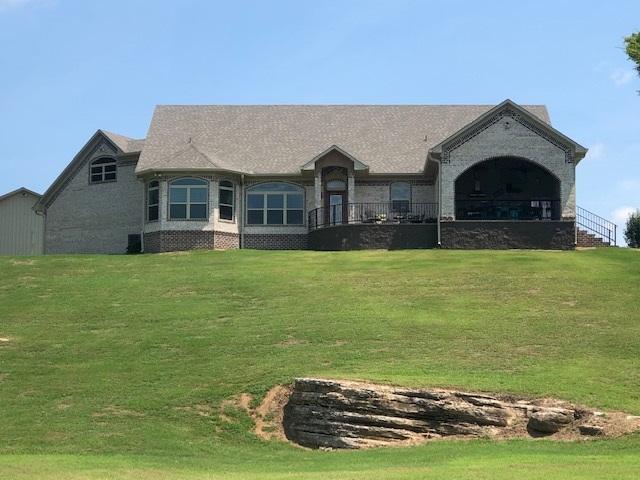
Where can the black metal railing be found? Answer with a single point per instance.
(529, 209)
(373, 213)
(599, 226)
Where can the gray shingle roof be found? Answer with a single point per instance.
(279, 139)
(126, 144)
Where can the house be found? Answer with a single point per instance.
(21, 229)
(325, 177)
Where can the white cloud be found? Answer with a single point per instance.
(620, 215)
(596, 151)
(621, 77)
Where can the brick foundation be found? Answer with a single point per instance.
(548, 235)
(176, 240)
(272, 241)
(226, 240)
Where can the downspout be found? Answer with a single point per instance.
(144, 213)
(439, 202)
(43, 214)
(241, 216)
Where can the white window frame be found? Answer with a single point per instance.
(255, 190)
(188, 202)
(98, 167)
(151, 188)
(231, 189)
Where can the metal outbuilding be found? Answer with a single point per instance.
(21, 228)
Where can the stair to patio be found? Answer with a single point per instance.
(594, 230)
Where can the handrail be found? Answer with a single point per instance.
(520, 209)
(597, 225)
(373, 213)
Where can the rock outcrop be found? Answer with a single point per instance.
(340, 414)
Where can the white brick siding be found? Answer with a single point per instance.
(95, 218)
(517, 141)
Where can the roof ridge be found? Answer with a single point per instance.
(236, 105)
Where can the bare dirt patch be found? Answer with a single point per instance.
(291, 341)
(22, 262)
(241, 402)
(269, 415)
(4, 341)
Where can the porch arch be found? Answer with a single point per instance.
(507, 188)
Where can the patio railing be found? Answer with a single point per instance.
(373, 213)
(529, 209)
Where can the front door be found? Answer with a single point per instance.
(336, 204)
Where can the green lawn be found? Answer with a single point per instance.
(115, 366)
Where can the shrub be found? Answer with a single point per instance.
(632, 230)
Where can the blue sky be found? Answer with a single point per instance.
(69, 67)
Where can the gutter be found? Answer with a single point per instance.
(241, 215)
(144, 212)
(439, 202)
(43, 214)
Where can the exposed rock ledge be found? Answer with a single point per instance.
(340, 414)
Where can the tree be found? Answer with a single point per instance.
(632, 43)
(632, 231)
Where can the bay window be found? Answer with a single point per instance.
(188, 199)
(226, 200)
(153, 200)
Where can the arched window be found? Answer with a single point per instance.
(153, 200)
(226, 200)
(103, 170)
(400, 196)
(188, 199)
(275, 203)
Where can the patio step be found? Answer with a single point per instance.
(594, 230)
(586, 239)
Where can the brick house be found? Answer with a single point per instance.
(321, 177)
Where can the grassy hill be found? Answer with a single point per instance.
(116, 366)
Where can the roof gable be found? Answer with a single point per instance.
(519, 114)
(99, 140)
(311, 164)
(18, 191)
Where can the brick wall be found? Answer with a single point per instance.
(176, 240)
(226, 240)
(95, 218)
(274, 241)
(508, 138)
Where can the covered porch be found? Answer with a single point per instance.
(507, 188)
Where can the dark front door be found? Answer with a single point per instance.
(336, 208)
